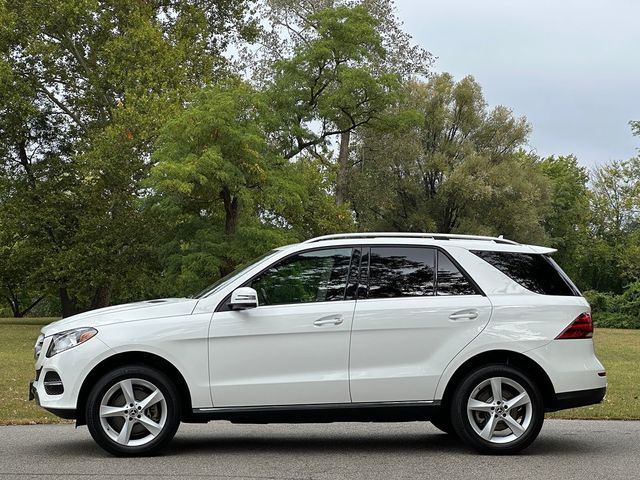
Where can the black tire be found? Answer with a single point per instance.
(167, 412)
(512, 378)
(443, 423)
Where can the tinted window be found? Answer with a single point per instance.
(316, 276)
(450, 280)
(401, 272)
(534, 272)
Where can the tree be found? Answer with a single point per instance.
(457, 166)
(87, 87)
(611, 258)
(20, 259)
(567, 221)
(616, 198)
(227, 194)
(338, 65)
(327, 81)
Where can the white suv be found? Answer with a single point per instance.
(479, 335)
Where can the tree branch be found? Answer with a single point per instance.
(63, 107)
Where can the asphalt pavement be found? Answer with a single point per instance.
(566, 449)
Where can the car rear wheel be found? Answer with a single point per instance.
(133, 410)
(497, 409)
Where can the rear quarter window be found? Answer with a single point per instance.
(534, 271)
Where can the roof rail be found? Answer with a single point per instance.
(434, 236)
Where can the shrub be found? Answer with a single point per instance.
(616, 311)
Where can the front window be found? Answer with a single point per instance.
(316, 276)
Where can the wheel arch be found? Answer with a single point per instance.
(133, 358)
(503, 357)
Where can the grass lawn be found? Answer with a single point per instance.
(16, 369)
(619, 350)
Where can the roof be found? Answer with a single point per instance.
(433, 236)
(470, 242)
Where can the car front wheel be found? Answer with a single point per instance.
(497, 409)
(133, 410)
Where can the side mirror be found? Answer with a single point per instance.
(243, 298)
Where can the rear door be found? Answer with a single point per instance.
(416, 310)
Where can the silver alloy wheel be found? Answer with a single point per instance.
(133, 412)
(499, 410)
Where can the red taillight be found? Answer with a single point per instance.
(582, 327)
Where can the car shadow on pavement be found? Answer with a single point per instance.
(330, 444)
(319, 444)
(315, 444)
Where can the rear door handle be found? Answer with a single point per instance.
(465, 315)
(333, 320)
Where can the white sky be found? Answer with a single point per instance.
(572, 67)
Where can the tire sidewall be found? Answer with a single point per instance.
(461, 422)
(161, 381)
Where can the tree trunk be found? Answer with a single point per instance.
(14, 303)
(231, 214)
(102, 297)
(343, 168)
(231, 211)
(68, 303)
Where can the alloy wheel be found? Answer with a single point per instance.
(499, 410)
(133, 412)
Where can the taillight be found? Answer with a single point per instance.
(581, 327)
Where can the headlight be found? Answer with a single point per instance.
(38, 346)
(65, 340)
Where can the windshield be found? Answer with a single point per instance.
(229, 277)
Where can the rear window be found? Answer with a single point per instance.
(535, 272)
(450, 280)
(401, 272)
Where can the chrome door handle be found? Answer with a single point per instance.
(464, 315)
(328, 321)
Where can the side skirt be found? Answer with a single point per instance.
(320, 413)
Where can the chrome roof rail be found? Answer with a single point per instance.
(433, 236)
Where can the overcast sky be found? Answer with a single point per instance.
(572, 67)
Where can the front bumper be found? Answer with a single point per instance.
(71, 368)
(66, 413)
(33, 393)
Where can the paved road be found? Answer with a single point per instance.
(565, 450)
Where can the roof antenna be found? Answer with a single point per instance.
(501, 237)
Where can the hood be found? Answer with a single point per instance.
(165, 307)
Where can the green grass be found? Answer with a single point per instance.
(28, 321)
(619, 350)
(16, 369)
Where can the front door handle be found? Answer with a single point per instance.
(466, 315)
(333, 320)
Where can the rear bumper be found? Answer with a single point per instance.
(571, 365)
(578, 398)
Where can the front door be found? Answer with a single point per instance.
(410, 322)
(294, 347)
